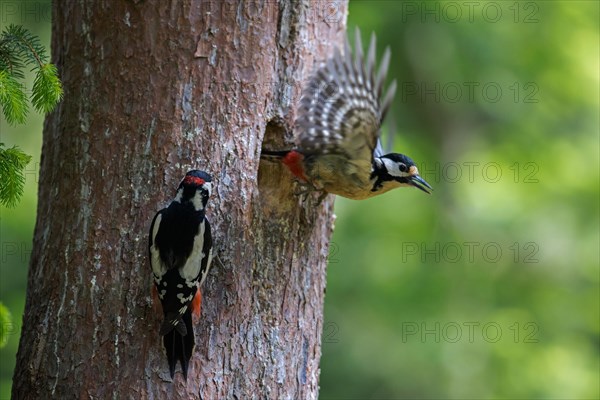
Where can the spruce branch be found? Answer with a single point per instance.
(27, 44)
(9, 60)
(18, 48)
(47, 89)
(12, 180)
(12, 99)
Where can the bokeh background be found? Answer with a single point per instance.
(489, 287)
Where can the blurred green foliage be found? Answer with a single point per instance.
(488, 288)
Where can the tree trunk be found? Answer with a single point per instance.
(153, 89)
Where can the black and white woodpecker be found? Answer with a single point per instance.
(180, 255)
(338, 148)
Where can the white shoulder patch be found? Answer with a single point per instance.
(158, 267)
(191, 268)
(210, 257)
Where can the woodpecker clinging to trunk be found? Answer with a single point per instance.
(338, 146)
(180, 255)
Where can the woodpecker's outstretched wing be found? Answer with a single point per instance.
(342, 107)
(338, 149)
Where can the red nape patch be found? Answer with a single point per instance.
(196, 304)
(294, 162)
(193, 180)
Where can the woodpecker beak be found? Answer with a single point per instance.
(420, 183)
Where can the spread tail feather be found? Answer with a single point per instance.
(178, 346)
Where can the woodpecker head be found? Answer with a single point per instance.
(195, 187)
(397, 170)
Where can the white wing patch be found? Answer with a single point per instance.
(158, 267)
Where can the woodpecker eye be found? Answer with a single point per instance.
(402, 167)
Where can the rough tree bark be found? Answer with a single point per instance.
(152, 89)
